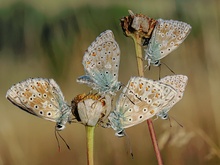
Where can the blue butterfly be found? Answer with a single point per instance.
(43, 98)
(101, 64)
(143, 98)
(166, 37)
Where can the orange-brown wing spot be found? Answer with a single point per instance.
(131, 84)
(93, 53)
(41, 89)
(38, 84)
(152, 111)
(140, 85)
(27, 94)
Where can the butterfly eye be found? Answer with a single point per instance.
(59, 127)
(119, 87)
(120, 133)
(164, 117)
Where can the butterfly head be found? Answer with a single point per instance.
(117, 86)
(66, 117)
(157, 63)
(164, 116)
(120, 133)
(59, 127)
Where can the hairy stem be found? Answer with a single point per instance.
(90, 144)
(137, 42)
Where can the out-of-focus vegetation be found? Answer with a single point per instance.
(48, 39)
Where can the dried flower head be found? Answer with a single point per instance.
(91, 109)
(138, 24)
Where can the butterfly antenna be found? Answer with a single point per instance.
(129, 145)
(176, 121)
(168, 67)
(130, 100)
(64, 141)
(159, 70)
(170, 121)
(58, 142)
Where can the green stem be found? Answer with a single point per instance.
(90, 144)
(138, 49)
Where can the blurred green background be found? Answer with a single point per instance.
(48, 39)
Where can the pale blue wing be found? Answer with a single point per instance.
(166, 37)
(40, 97)
(140, 100)
(178, 82)
(101, 64)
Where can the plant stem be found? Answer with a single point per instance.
(90, 144)
(137, 42)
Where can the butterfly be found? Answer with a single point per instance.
(92, 109)
(43, 98)
(140, 100)
(101, 64)
(178, 82)
(166, 37)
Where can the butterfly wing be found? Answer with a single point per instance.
(101, 64)
(140, 100)
(166, 37)
(40, 97)
(178, 82)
